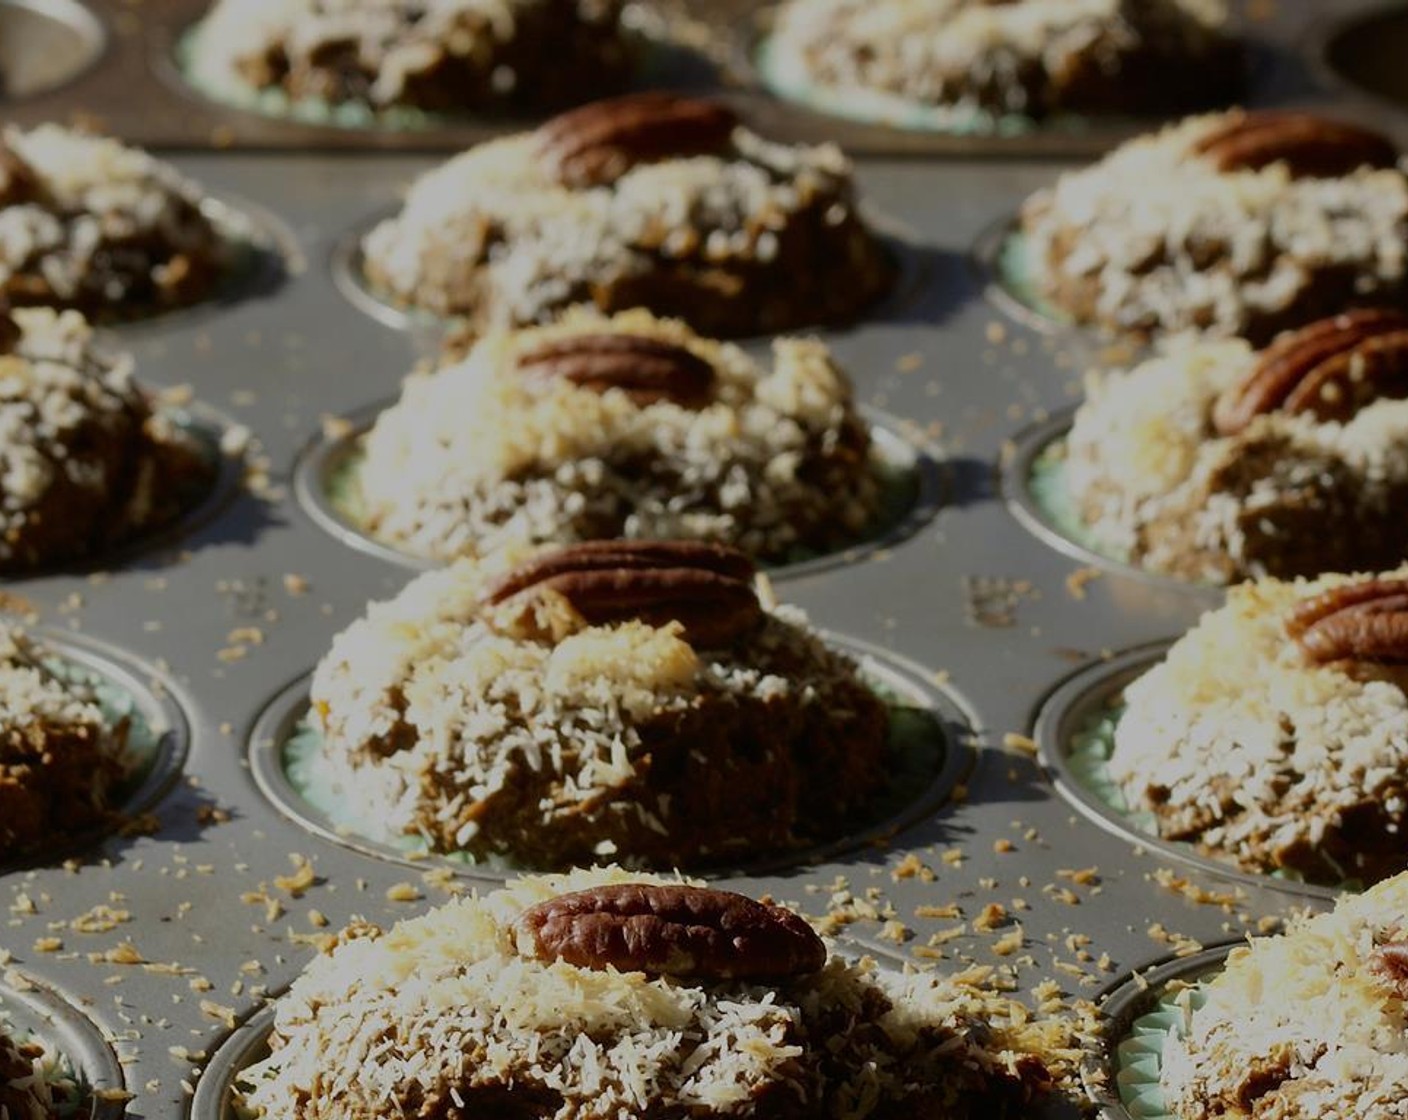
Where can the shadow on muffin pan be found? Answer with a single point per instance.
(45, 44)
(158, 734)
(1034, 489)
(930, 740)
(913, 480)
(1075, 735)
(913, 269)
(39, 1013)
(1139, 1013)
(1365, 51)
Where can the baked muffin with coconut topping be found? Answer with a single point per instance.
(90, 224)
(86, 461)
(60, 756)
(1214, 462)
(624, 698)
(649, 200)
(34, 1082)
(1029, 57)
(599, 995)
(1300, 765)
(630, 426)
(1240, 223)
(453, 55)
(1308, 1025)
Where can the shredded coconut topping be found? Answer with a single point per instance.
(1290, 494)
(442, 1009)
(1293, 764)
(477, 455)
(1154, 238)
(1300, 1026)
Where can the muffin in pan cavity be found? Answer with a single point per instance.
(90, 461)
(967, 66)
(643, 701)
(1212, 462)
(601, 994)
(1233, 224)
(89, 224)
(648, 200)
(1299, 765)
(627, 426)
(1306, 1025)
(395, 61)
(85, 744)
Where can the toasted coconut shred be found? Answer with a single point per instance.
(477, 455)
(1306, 1025)
(35, 1082)
(440, 1016)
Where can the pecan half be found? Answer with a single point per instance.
(595, 145)
(688, 932)
(646, 369)
(1366, 621)
(1331, 368)
(1311, 147)
(1390, 964)
(10, 332)
(705, 587)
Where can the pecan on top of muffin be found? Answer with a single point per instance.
(627, 426)
(1214, 462)
(636, 698)
(649, 200)
(1240, 223)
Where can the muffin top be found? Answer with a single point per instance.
(33, 700)
(601, 994)
(690, 437)
(601, 195)
(66, 197)
(1307, 1024)
(27, 1078)
(1222, 221)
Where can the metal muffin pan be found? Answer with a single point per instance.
(137, 88)
(247, 597)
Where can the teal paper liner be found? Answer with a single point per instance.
(918, 745)
(899, 493)
(1139, 1055)
(1016, 274)
(1048, 488)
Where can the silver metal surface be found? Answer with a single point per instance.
(44, 45)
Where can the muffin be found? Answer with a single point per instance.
(1214, 462)
(1299, 766)
(90, 224)
(600, 995)
(1234, 224)
(629, 426)
(456, 55)
(624, 698)
(61, 758)
(1033, 58)
(1309, 1025)
(649, 200)
(85, 460)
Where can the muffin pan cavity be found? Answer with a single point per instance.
(911, 474)
(1075, 736)
(1365, 51)
(930, 744)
